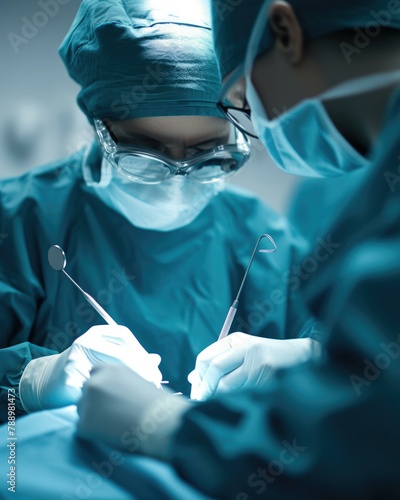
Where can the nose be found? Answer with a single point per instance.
(176, 152)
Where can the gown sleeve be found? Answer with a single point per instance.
(13, 361)
(21, 293)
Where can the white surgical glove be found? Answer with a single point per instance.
(120, 408)
(56, 381)
(244, 361)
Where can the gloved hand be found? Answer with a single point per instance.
(55, 381)
(241, 360)
(120, 408)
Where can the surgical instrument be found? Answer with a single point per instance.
(233, 309)
(58, 261)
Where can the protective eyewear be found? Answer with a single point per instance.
(148, 166)
(240, 118)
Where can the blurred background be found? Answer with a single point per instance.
(39, 118)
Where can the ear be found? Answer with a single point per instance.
(285, 25)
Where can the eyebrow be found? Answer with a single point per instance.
(150, 140)
(140, 138)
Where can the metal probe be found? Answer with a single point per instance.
(58, 261)
(233, 309)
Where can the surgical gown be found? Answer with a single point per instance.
(329, 430)
(172, 289)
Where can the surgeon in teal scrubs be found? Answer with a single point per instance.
(150, 227)
(327, 429)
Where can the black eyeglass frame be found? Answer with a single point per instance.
(225, 109)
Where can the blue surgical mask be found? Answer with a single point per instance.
(167, 206)
(304, 140)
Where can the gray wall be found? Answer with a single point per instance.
(39, 119)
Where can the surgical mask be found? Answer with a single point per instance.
(167, 206)
(304, 140)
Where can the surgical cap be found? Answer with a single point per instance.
(141, 58)
(233, 21)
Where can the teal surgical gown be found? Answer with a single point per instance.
(329, 430)
(172, 289)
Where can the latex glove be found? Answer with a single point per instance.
(55, 381)
(242, 360)
(120, 408)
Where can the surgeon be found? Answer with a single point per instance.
(327, 429)
(142, 215)
(301, 116)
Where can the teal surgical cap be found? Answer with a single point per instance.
(141, 58)
(233, 21)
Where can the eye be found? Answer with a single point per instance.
(194, 150)
(207, 145)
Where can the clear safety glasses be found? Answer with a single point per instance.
(148, 166)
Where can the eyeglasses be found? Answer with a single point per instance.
(148, 166)
(240, 118)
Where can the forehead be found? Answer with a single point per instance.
(171, 129)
